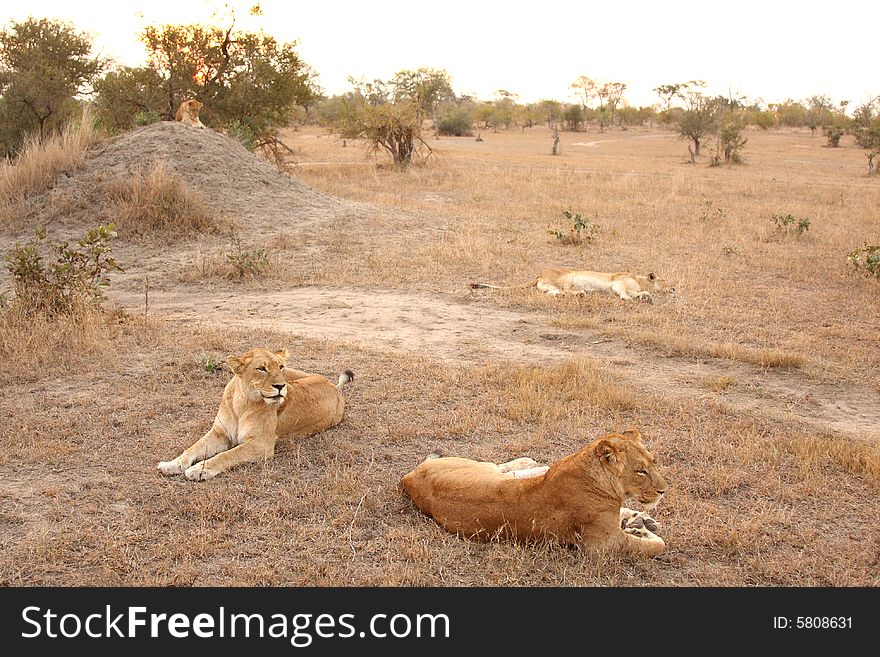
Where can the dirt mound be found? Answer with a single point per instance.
(232, 180)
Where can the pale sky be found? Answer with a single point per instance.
(760, 49)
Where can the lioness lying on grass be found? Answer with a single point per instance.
(556, 280)
(577, 500)
(263, 400)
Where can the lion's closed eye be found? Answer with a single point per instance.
(262, 369)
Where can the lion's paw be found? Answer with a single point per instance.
(639, 532)
(174, 467)
(199, 472)
(632, 519)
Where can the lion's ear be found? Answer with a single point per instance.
(632, 433)
(282, 354)
(652, 276)
(236, 364)
(607, 451)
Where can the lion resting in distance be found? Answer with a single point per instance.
(557, 280)
(576, 501)
(263, 400)
(188, 113)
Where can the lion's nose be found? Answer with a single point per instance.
(661, 492)
(279, 386)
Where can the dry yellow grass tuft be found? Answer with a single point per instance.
(65, 341)
(544, 394)
(39, 164)
(159, 202)
(677, 346)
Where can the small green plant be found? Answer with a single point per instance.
(711, 212)
(209, 364)
(788, 224)
(866, 260)
(582, 230)
(242, 133)
(247, 262)
(74, 276)
(730, 249)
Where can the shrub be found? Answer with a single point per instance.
(710, 211)
(457, 122)
(247, 262)
(788, 224)
(582, 230)
(866, 260)
(243, 134)
(75, 276)
(833, 134)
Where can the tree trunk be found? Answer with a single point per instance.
(696, 146)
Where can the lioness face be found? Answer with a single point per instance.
(261, 373)
(653, 283)
(635, 468)
(194, 106)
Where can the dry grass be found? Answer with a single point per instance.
(749, 502)
(720, 383)
(481, 211)
(39, 164)
(156, 202)
(89, 405)
(546, 394)
(678, 346)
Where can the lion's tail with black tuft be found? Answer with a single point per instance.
(347, 376)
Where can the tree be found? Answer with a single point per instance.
(819, 113)
(426, 88)
(790, 113)
(551, 112)
(667, 93)
(698, 117)
(586, 91)
(574, 117)
(612, 92)
(128, 96)
(247, 80)
(395, 127)
(44, 65)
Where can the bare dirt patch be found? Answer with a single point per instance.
(445, 329)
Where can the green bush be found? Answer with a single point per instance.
(247, 262)
(788, 224)
(457, 122)
(866, 260)
(833, 134)
(242, 133)
(74, 276)
(582, 230)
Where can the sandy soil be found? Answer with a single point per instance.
(439, 328)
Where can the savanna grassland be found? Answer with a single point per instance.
(754, 384)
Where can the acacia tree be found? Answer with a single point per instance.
(586, 91)
(426, 88)
(668, 93)
(820, 112)
(612, 92)
(698, 117)
(44, 65)
(395, 127)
